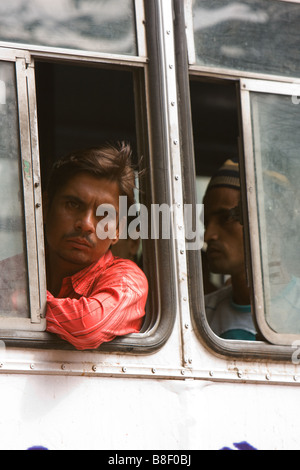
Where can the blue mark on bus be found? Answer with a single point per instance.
(240, 446)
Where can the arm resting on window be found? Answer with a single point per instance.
(86, 323)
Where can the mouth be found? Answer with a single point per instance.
(213, 252)
(80, 243)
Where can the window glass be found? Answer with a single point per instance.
(276, 121)
(90, 25)
(13, 277)
(248, 35)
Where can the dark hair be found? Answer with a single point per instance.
(109, 162)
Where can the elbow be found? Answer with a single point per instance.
(80, 342)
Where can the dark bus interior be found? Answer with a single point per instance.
(83, 106)
(215, 123)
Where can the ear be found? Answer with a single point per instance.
(122, 228)
(115, 240)
(119, 230)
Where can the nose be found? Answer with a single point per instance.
(211, 232)
(86, 222)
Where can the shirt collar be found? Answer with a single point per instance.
(82, 280)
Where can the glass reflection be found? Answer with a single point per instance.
(89, 25)
(13, 278)
(248, 35)
(276, 123)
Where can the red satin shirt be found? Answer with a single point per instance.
(104, 300)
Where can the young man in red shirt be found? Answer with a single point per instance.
(92, 296)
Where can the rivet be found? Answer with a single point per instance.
(32, 366)
(38, 205)
(36, 185)
(124, 369)
(182, 252)
(268, 377)
(63, 366)
(171, 66)
(173, 103)
(153, 371)
(183, 372)
(186, 326)
(94, 368)
(296, 378)
(176, 178)
(240, 374)
(211, 373)
(175, 142)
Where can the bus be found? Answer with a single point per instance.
(189, 83)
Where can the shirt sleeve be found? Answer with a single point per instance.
(112, 310)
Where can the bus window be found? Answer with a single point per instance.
(82, 107)
(274, 167)
(230, 118)
(75, 94)
(13, 268)
(250, 208)
(100, 26)
(249, 35)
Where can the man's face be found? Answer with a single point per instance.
(71, 220)
(223, 234)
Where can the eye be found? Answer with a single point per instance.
(104, 215)
(227, 217)
(70, 204)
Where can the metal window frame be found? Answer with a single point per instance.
(255, 224)
(229, 349)
(158, 125)
(140, 21)
(31, 194)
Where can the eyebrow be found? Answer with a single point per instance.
(83, 203)
(221, 210)
(73, 198)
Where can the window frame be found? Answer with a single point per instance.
(30, 185)
(241, 350)
(153, 125)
